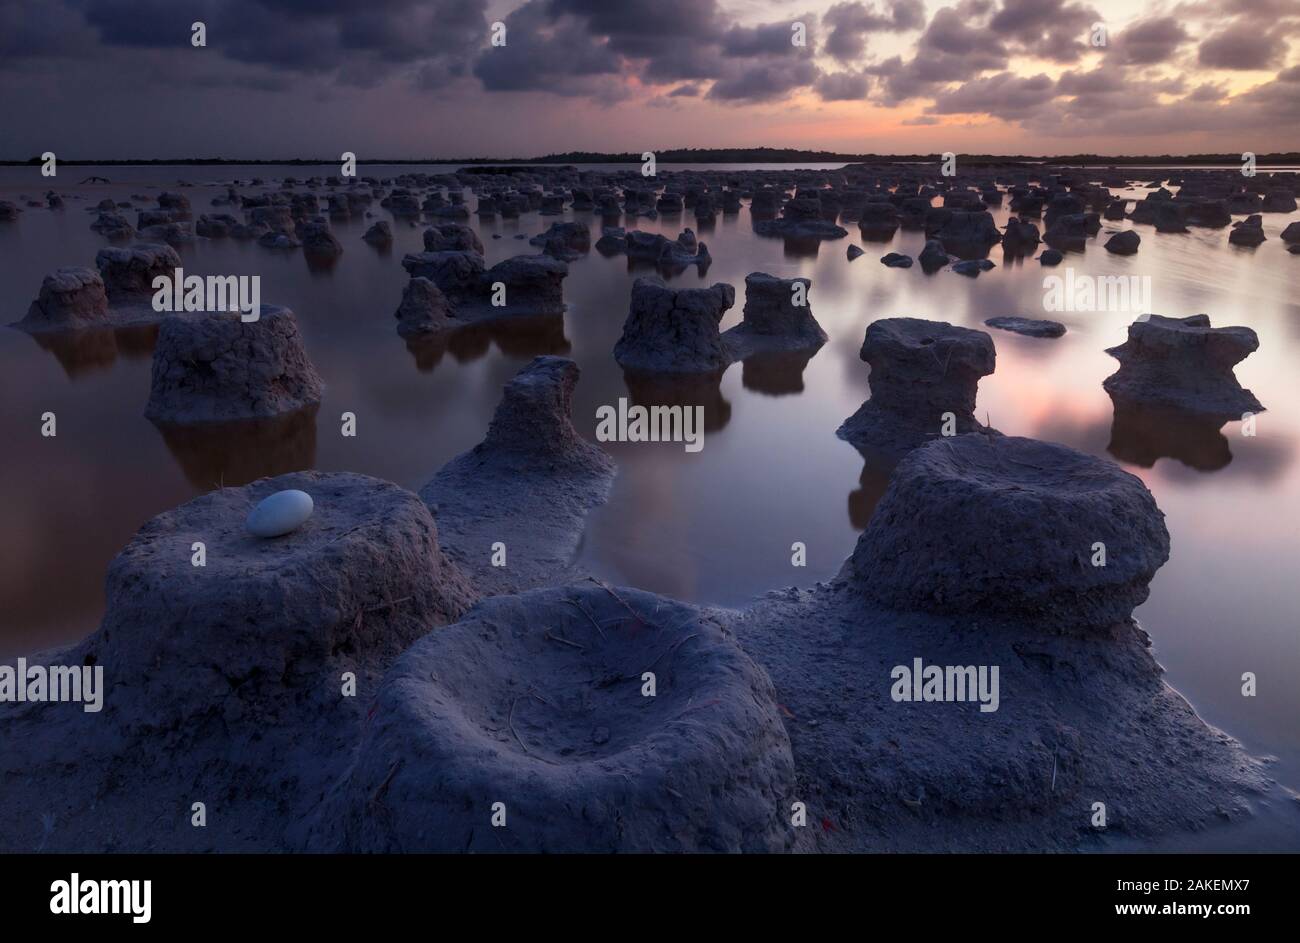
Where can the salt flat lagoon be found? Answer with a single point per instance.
(710, 526)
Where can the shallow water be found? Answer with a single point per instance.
(715, 526)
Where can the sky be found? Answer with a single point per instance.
(117, 79)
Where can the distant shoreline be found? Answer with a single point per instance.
(703, 156)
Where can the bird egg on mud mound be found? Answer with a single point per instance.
(279, 514)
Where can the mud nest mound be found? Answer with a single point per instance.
(355, 584)
(1012, 528)
(536, 702)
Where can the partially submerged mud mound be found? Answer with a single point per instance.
(667, 255)
(521, 286)
(674, 331)
(527, 486)
(128, 273)
(532, 712)
(924, 378)
(568, 241)
(70, 299)
(424, 310)
(226, 680)
(775, 320)
(1011, 528)
(217, 368)
(118, 295)
(1186, 364)
(1029, 327)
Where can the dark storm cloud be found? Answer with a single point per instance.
(301, 36)
(645, 30)
(1093, 82)
(1242, 46)
(546, 53)
(151, 23)
(1003, 95)
(764, 81)
(850, 23)
(668, 42)
(1056, 30)
(842, 86)
(766, 39)
(1276, 102)
(952, 31)
(1134, 109)
(560, 45)
(965, 58)
(1149, 41)
(41, 30)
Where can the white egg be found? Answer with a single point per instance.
(280, 513)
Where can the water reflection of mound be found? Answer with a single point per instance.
(321, 263)
(775, 372)
(877, 233)
(90, 350)
(876, 470)
(681, 389)
(515, 337)
(801, 247)
(667, 269)
(235, 453)
(138, 341)
(1143, 433)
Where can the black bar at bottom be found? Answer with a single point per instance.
(333, 893)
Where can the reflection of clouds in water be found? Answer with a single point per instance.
(650, 552)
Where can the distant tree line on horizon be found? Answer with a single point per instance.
(709, 155)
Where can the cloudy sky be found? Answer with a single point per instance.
(420, 78)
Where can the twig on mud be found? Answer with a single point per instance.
(583, 609)
(670, 649)
(382, 789)
(564, 641)
(348, 531)
(623, 602)
(317, 580)
(388, 605)
(511, 726)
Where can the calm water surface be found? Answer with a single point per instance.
(715, 526)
